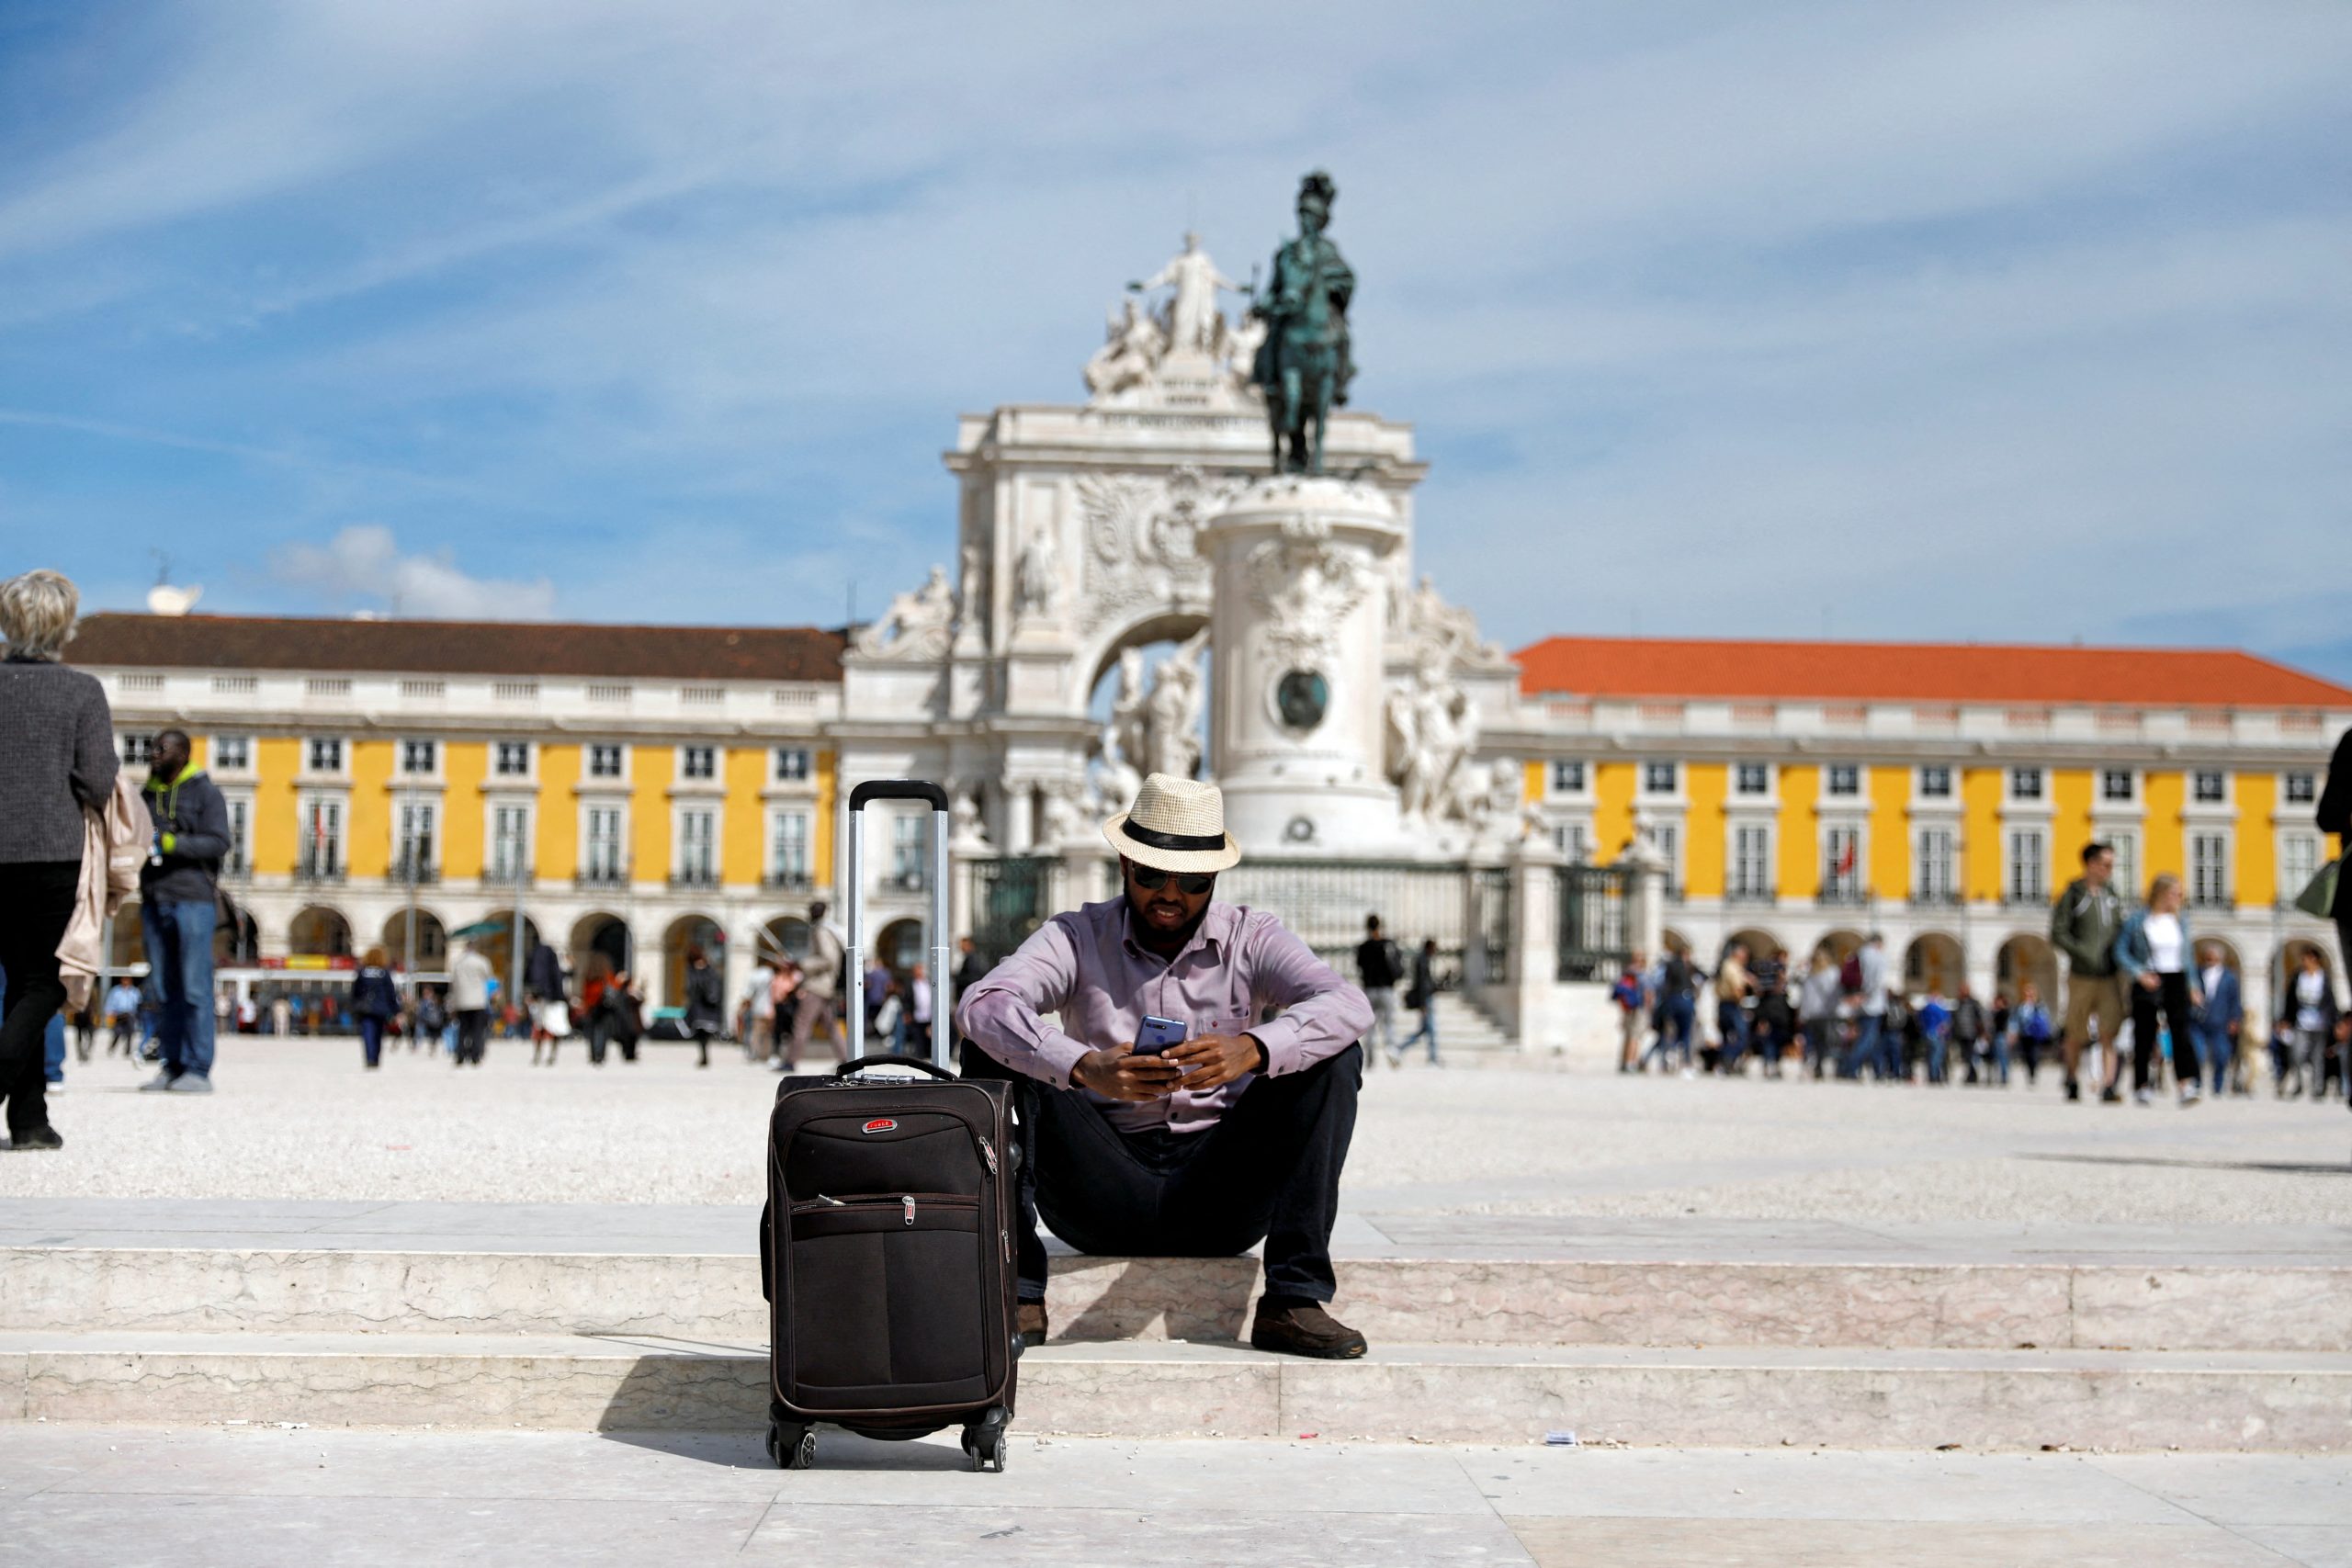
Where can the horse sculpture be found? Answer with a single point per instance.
(1304, 365)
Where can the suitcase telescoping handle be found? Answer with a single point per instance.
(943, 1000)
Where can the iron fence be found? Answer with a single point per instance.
(1596, 920)
(1465, 911)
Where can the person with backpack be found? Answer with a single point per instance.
(375, 1003)
(2029, 1027)
(1378, 968)
(1677, 1009)
(1631, 996)
(1421, 996)
(706, 1002)
(2084, 924)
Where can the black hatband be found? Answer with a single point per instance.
(1159, 840)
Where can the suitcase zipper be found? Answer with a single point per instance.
(987, 1153)
(910, 1201)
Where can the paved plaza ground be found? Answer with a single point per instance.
(130, 1497)
(301, 1120)
(411, 1191)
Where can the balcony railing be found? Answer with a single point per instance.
(1751, 896)
(507, 875)
(415, 874)
(313, 868)
(788, 882)
(915, 880)
(1944, 899)
(1841, 898)
(600, 876)
(2025, 897)
(692, 877)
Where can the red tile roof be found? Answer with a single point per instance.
(457, 648)
(1915, 671)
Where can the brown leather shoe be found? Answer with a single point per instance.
(1029, 1324)
(1305, 1330)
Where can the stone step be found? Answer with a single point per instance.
(1438, 1295)
(1726, 1397)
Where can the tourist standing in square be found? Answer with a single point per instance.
(2152, 955)
(179, 900)
(2083, 925)
(1378, 968)
(57, 756)
(2219, 1019)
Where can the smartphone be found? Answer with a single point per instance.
(1158, 1033)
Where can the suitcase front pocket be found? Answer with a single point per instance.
(886, 1302)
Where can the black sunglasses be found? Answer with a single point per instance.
(1151, 879)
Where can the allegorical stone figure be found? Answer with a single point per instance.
(1304, 365)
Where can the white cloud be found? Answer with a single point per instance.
(363, 564)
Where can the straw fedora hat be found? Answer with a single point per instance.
(1175, 825)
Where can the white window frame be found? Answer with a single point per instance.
(2301, 854)
(1673, 789)
(1944, 770)
(339, 757)
(2209, 874)
(791, 877)
(333, 809)
(1943, 888)
(808, 765)
(685, 764)
(2197, 777)
(1739, 784)
(2019, 888)
(497, 867)
(593, 867)
(522, 775)
(1666, 832)
(2131, 867)
(2041, 795)
(1553, 784)
(1756, 887)
(1829, 790)
(1574, 837)
(238, 861)
(1846, 888)
(242, 767)
(434, 748)
(406, 807)
(2298, 787)
(620, 776)
(2131, 777)
(694, 855)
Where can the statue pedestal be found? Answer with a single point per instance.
(1297, 711)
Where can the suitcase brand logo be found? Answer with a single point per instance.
(879, 1125)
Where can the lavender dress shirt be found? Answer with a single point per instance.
(1239, 970)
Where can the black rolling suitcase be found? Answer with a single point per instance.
(886, 1244)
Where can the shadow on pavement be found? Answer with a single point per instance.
(2281, 1168)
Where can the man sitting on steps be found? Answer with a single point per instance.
(1233, 1135)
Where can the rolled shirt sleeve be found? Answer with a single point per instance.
(1321, 1015)
(1001, 1014)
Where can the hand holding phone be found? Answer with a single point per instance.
(1156, 1034)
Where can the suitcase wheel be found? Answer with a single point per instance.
(791, 1447)
(985, 1441)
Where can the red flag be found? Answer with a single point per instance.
(1846, 860)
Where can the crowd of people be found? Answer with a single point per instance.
(2141, 989)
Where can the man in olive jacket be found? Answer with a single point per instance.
(178, 891)
(2083, 924)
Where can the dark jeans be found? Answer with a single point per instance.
(1269, 1171)
(179, 971)
(2171, 995)
(371, 1039)
(473, 1032)
(36, 900)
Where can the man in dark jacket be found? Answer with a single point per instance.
(178, 889)
(1379, 966)
(2083, 925)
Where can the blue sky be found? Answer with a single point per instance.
(1973, 321)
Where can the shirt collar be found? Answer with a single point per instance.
(1215, 931)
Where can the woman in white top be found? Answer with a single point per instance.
(2153, 953)
(2307, 1016)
